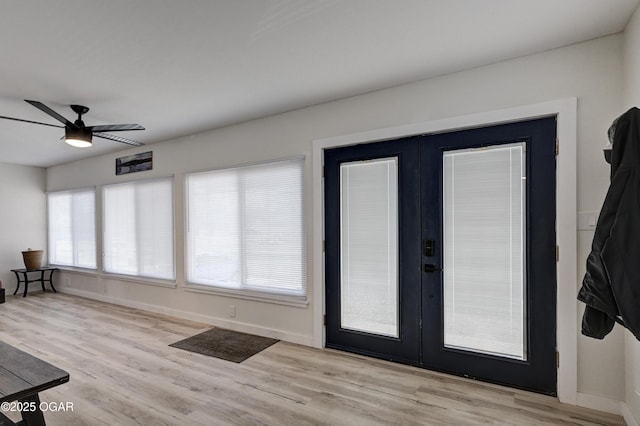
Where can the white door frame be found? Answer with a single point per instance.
(567, 318)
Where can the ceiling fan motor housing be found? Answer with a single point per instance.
(80, 133)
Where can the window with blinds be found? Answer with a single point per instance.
(245, 228)
(484, 218)
(138, 229)
(369, 246)
(72, 228)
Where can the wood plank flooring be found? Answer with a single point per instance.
(123, 372)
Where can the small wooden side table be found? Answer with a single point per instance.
(41, 278)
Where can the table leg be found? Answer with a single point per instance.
(32, 417)
(26, 284)
(5, 421)
(17, 279)
(51, 280)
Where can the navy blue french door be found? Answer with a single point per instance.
(344, 330)
(440, 252)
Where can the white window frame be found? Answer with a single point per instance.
(74, 264)
(243, 292)
(167, 282)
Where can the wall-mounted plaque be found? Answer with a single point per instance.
(134, 163)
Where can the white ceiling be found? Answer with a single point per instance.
(180, 67)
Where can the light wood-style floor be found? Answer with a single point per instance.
(124, 373)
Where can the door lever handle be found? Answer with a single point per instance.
(430, 267)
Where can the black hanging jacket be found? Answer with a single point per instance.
(611, 286)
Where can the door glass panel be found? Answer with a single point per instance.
(369, 246)
(484, 250)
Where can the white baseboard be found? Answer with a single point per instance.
(627, 415)
(607, 405)
(599, 403)
(217, 322)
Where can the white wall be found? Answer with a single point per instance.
(589, 71)
(22, 217)
(632, 98)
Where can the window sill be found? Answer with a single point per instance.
(139, 280)
(74, 270)
(117, 277)
(247, 295)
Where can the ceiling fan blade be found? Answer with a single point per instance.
(42, 107)
(29, 121)
(117, 139)
(115, 127)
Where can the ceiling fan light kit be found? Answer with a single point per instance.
(76, 133)
(80, 138)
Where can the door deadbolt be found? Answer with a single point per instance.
(428, 247)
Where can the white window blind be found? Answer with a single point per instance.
(245, 228)
(484, 241)
(72, 228)
(369, 246)
(138, 229)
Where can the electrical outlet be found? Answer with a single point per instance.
(232, 311)
(67, 282)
